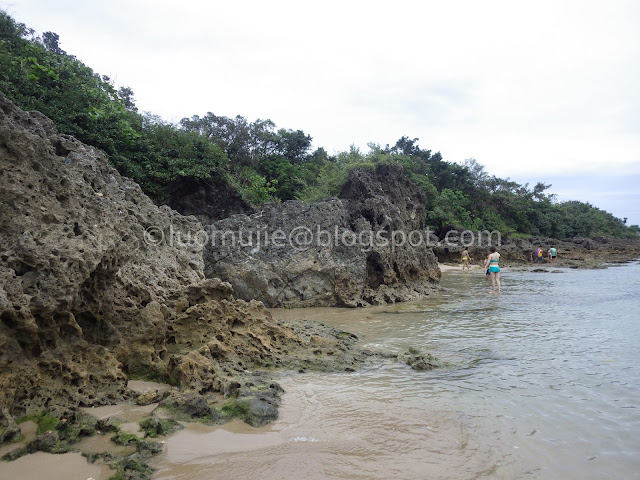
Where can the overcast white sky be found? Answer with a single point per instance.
(545, 90)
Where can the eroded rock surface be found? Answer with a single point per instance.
(92, 292)
(349, 251)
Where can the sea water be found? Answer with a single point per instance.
(543, 381)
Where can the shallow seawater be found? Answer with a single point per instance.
(544, 383)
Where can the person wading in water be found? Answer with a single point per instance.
(494, 270)
(466, 259)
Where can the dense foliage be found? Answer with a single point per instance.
(263, 162)
(37, 75)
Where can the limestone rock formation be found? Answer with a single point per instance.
(386, 201)
(350, 251)
(93, 290)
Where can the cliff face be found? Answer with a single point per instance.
(89, 295)
(349, 251)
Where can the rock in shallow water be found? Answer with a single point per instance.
(421, 361)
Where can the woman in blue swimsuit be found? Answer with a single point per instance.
(493, 268)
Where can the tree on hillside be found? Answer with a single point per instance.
(265, 163)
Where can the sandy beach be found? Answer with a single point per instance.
(449, 267)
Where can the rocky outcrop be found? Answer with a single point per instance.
(387, 204)
(208, 199)
(351, 251)
(92, 292)
(577, 252)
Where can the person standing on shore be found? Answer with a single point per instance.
(539, 254)
(466, 258)
(553, 254)
(494, 270)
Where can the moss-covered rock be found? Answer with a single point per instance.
(153, 396)
(48, 442)
(154, 427)
(235, 409)
(125, 439)
(133, 467)
(15, 454)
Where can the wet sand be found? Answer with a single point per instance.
(127, 413)
(450, 267)
(322, 434)
(48, 466)
(72, 466)
(141, 386)
(102, 443)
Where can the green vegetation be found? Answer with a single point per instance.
(37, 75)
(46, 422)
(153, 427)
(263, 162)
(235, 409)
(132, 468)
(125, 439)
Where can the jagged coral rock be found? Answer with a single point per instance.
(349, 251)
(93, 289)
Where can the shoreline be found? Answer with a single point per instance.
(124, 436)
(572, 263)
(127, 426)
(91, 300)
(579, 252)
